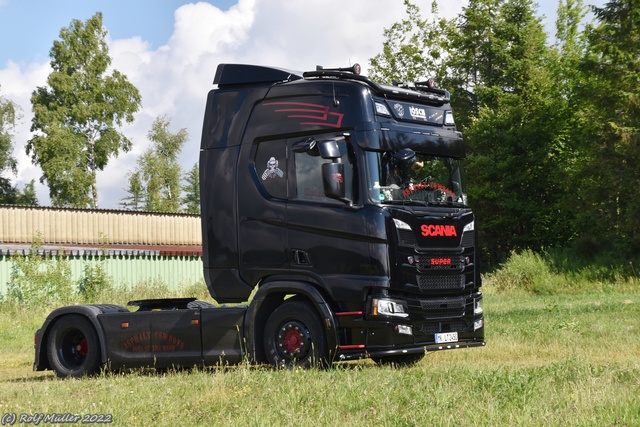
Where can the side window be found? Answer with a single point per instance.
(271, 167)
(308, 170)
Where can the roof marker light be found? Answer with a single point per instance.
(382, 109)
(448, 118)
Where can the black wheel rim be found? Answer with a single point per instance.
(72, 349)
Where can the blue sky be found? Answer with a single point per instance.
(169, 49)
(29, 27)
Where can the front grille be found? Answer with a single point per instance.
(430, 262)
(440, 282)
(443, 304)
(406, 238)
(468, 239)
(437, 327)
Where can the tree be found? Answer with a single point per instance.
(516, 160)
(191, 199)
(495, 61)
(7, 161)
(10, 194)
(76, 117)
(7, 123)
(135, 199)
(414, 48)
(608, 98)
(28, 194)
(158, 174)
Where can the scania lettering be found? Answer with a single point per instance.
(335, 226)
(439, 230)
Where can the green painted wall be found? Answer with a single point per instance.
(129, 270)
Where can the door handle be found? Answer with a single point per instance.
(300, 257)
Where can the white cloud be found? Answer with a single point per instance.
(17, 84)
(174, 79)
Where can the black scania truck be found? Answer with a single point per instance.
(335, 227)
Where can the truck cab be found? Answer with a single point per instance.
(352, 191)
(335, 226)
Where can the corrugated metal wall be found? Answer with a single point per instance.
(139, 246)
(129, 271)
(20, 224)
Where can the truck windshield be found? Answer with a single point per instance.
(419, 180)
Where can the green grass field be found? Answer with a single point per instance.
(553, 360)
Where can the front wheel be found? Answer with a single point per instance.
(73, 347)
(293, 336)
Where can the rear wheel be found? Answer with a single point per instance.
(73, 347)
(293, 336)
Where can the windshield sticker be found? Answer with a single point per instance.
(399, 109)
(417, 113)
(436, 117)
(424, 185)
(272, 171)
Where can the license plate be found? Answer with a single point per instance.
(446, 337)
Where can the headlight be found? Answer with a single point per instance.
(469, 227)
(401, 225)
(387, 307)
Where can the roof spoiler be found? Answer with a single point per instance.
(241, 74)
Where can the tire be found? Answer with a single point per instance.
(294, 337)
(400, 360)
(73, 348)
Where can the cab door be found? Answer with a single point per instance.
(324, 237)
(262, 210)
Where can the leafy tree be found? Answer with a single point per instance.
(608, 195)
(495, 61)
(191, 199)
(157, 177)
(475, 58)
(7, 123)
(414, 48)
(28, 194)
(516, 163)
(7, 161)
(76, 117)
(10, 194)
(135, 199)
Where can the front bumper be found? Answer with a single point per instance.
(385, 338)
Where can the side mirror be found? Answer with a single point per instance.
(333, 182)
(329, 149)
(332, 173)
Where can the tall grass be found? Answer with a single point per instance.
(557, 273)
(560, 351)
(549, 361)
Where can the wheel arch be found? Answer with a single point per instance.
(268, 297)
(91, 312)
